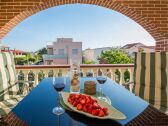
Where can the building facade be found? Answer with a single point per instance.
(138, 47)
(92, 54)
(63, 51)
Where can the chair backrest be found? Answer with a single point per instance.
(151, 78)
(7, 75)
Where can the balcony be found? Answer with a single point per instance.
(42, 71)
(44, 92)
(51, 57)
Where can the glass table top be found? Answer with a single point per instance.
(36, 108)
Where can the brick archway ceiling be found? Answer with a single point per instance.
(150, 14)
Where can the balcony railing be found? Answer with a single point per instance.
(115, 71)
(51, 57)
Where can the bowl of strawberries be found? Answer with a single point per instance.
(91, 106)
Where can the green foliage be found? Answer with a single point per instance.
(29, 58)
(40, 76)
(127, 76)
(89, 62)
(42, 51)
(32, 59)
(39, 53)
(20, 60)
(118, 75)
(115, 56)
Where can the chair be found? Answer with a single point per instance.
(10, 90)
(151, 78)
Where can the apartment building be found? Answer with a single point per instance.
(63, 51)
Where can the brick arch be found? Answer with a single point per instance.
(111, 4)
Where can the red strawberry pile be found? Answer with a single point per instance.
(87, 104)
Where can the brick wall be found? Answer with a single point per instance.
(150, 14)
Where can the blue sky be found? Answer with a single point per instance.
(93, 25)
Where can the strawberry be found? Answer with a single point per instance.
(71, 95)
(101, 113)
(77, 100)
(82, 101)
(87, 105)
(80, 95)
(79, 106)
(95, 100)
(75, 103)
(95, 105)
(84, 109)
(89, 111)
(105, 110)
(77, 96)
(87, 100)
(94, 112)
(97, 111)
(90, 107)
(69, 100)
(80, 98)
(89, 97)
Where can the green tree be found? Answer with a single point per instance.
(42, 51)
(115, 56)
(20, 60)
(32, 59)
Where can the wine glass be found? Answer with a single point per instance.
(59, 85)
(101, 79)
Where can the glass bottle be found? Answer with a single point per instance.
(75, 77)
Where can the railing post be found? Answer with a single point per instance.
(131, 70)
(45, 73)
(55, 73)
(84, 72)
(36, 77)
(94, 72)
(113, 70)
(122, 76)
(64, 71)
(26, 75)
(112, 74)
(103, 71)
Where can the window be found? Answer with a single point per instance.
(61, 51)
(75, 51)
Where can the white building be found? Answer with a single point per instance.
(92, 54)
(137, 47)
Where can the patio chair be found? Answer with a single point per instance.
(11, 92)
(151, 78)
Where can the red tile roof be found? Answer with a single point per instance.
(14, 51)
(131, 45)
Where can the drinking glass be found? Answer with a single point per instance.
(101, 79)
(59, 85)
